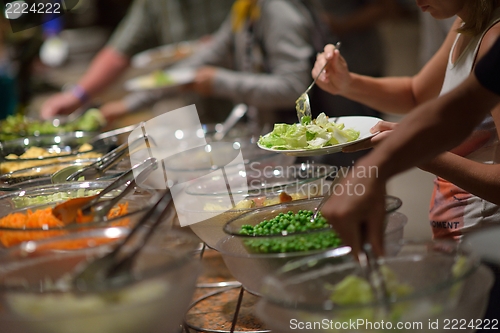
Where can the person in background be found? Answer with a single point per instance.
(431, 128)
(148, 24)
(261, 55)
(465, 193)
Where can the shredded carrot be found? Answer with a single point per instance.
(44, 219)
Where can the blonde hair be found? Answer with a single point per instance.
(480, 15)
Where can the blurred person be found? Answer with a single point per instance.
(431, 128)
(465, 193)
(148, 24)
(261, 55)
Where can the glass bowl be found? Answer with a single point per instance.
(212, 211)
(231, 156)
(33, 199)
(52, 149)
(246, 257)
(36, 297)
(430, 282)
(13, 178)
(288, 178)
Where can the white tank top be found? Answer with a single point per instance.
(456, 73)
(454, 211)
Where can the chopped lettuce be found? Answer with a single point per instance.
(308, 134)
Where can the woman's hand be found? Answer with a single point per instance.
(383, 127)
(336, 77)
(356, 209)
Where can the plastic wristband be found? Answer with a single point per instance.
(80, 93)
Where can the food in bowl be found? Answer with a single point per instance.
(301, 233)
(37, 297)
(52, 149)
(42, 199)
(32, 307)
(250, 267)
(33, 173)
(260, 201)
(429, 281)
(216, 212)
(45, 220)
(37, 156)
(19, 126)
(254, 189)
(14, 165)
(355, 289)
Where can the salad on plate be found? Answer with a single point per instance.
(308, 134)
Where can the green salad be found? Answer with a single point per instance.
(309, 134)
(18, 126)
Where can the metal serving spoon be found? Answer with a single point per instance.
(98, 168)
(302, 104)
(338, 177)
(371, 270)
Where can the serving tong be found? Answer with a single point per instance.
(98, 168)
(338, 177)
(92, 207)
(114, 268)
(370, 268)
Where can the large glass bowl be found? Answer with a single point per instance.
(441, 282)
(62, 148)
(42, 197)
(249, 265)
(231, 156)
(156, 300)
(269, 180)
(266, 187)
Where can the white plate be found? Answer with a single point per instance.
(177, 77)
(358, 123)
(162, 56)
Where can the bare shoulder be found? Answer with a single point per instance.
(490, 37)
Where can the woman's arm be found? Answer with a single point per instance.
(482, 180)
(391, 94)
